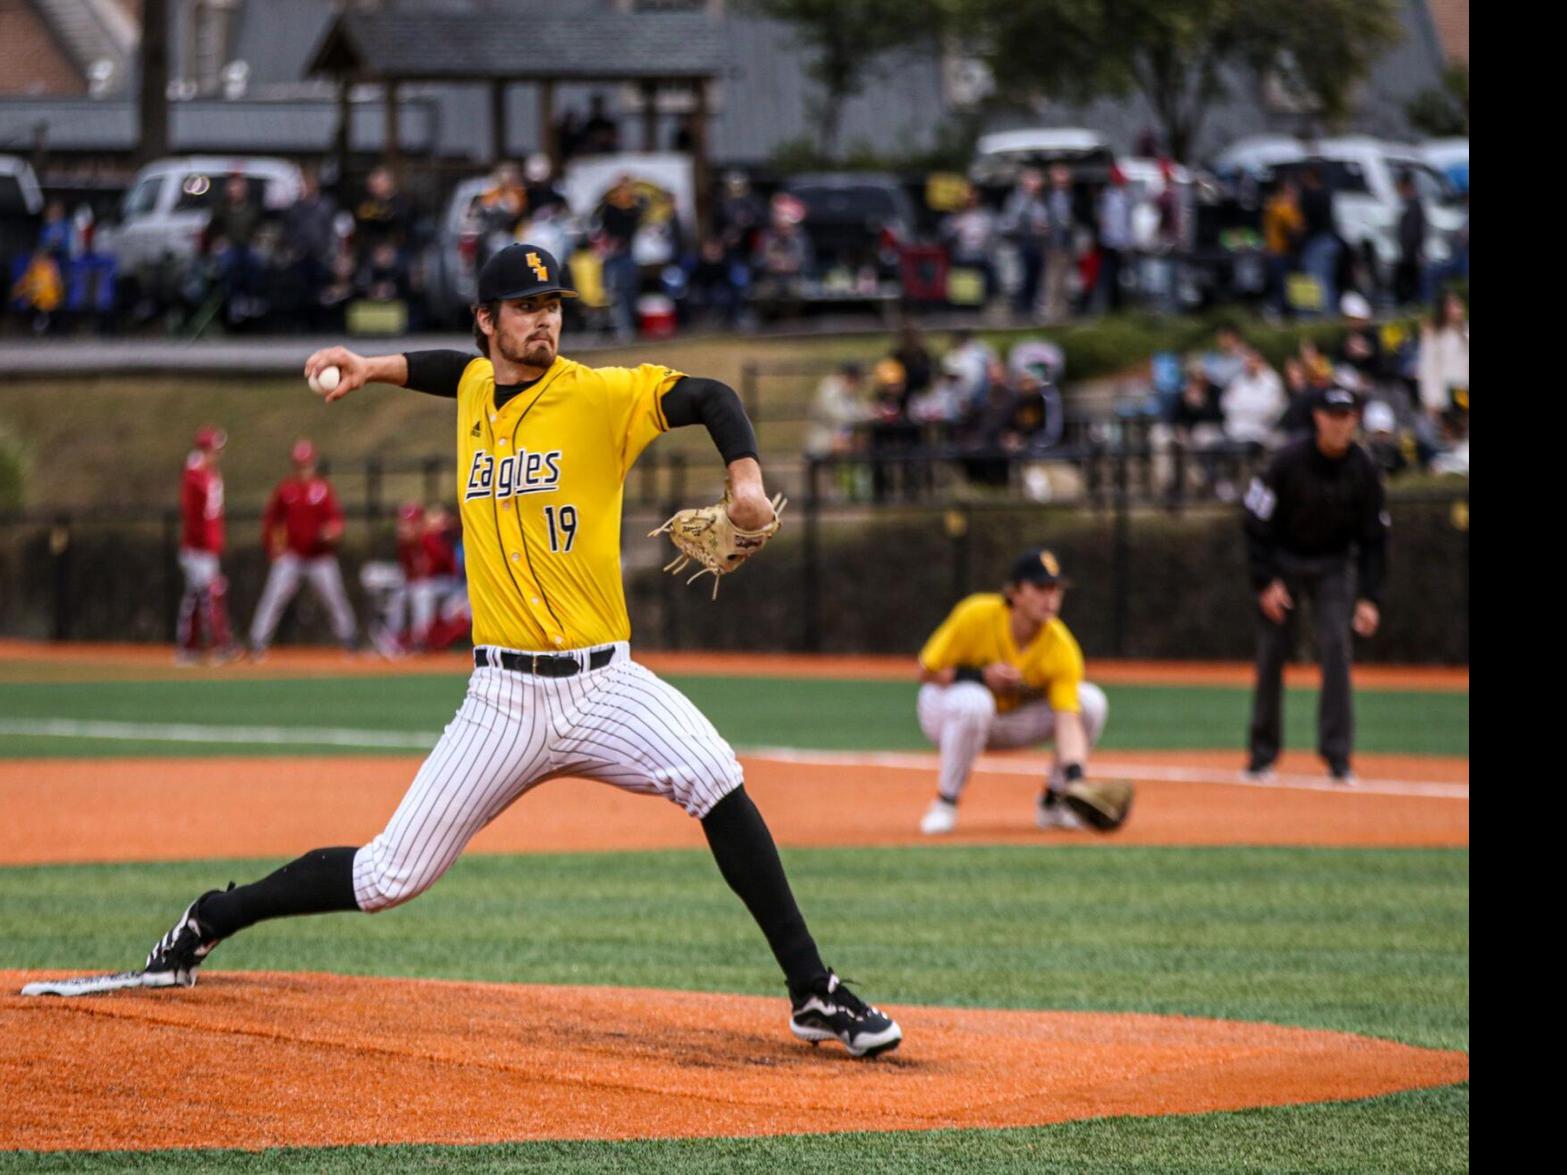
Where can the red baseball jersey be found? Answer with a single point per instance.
(304, 509)
(201, 503)
(411, 555)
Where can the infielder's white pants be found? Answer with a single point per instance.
(282, 584)
(961, 719)
(619, 725)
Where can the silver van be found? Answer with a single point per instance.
(171, 200)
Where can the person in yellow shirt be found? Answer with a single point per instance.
(544, 445)
(1003, 671)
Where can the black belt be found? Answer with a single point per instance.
(541, 664)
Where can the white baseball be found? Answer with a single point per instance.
(325, 380)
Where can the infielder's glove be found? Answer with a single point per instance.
(707, 535)
(1102, 806)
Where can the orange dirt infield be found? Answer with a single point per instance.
(41, 660)
(150, 809)
(319, 1060)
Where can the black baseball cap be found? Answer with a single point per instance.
(522, 271)
(1039, 567)
(1335, 399)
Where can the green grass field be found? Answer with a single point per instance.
(1366, 941)
(750, 712)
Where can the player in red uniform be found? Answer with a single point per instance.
(300, 529)
(204, 617)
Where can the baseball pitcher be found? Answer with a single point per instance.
(544, 445)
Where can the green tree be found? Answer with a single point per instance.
(1181, 56)
(846, 40)
(1442, 112)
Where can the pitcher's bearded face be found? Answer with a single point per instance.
(526, 331)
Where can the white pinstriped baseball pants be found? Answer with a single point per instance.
(619, 725)
(962, 721)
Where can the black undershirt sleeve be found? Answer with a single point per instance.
(714, 404)
(437, 373)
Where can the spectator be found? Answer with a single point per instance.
(1169, 239)
(1361, 348)
(985, 428)
(712, 291)
(968, 360)
(891, 433)
(300, 530)
(231, 234)
(498, 211)
(1296, 419)
(383, 277)
(1253, 402)
(1061, 244)
(915, 357)
(1409, 276)
(1283, 227)
(384, 216)
(1036, 422)
(741, 217)
(539, 174)
(1025, 222)
(57, 235)
(837, 411)
(1227, 359)
(1115, 237)
(1444, 359)
(1452, 456)
(1199, 422)
(615, 222)
(1388, 448)
(1320, 248)
(40, 291)
(600, 133)
(310, 244)
(970, 234)
(784, 257)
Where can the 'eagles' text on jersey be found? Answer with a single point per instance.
(540, 483)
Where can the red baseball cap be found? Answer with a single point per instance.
(210, 436)
(304, 453)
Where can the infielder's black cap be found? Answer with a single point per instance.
(1040, 567)
(1335, 399)
(522, 271)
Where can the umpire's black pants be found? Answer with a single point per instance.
(1329, 584)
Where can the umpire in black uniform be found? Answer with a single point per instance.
(1318, 508)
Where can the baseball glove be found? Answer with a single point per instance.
(1102, 806)
(707, 535)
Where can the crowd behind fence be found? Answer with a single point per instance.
(1153, 576)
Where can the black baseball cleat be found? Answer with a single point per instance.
(830, 1011)
(176, 956)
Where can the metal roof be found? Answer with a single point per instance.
(537, 44)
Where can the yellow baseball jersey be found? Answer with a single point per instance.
(978, 632)
(541, 481)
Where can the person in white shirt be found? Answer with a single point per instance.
(1253, 402)
(1444, 359)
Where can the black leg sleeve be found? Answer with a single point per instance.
(320, 882)
(748, 859)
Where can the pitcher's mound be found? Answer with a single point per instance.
(258, 1059)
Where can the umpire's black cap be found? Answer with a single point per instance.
(522, 271)
(1040, 567)
(1335, 398)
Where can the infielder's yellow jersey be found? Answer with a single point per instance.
(540, 481)
(978, 632)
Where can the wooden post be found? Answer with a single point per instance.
(650, 116)
(342, 142)
(497, 121)
(700, 178)
(549, 141)
(392, 149)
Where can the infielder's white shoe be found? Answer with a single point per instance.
(1051, 813)
(830, 1011)
(941, 817)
